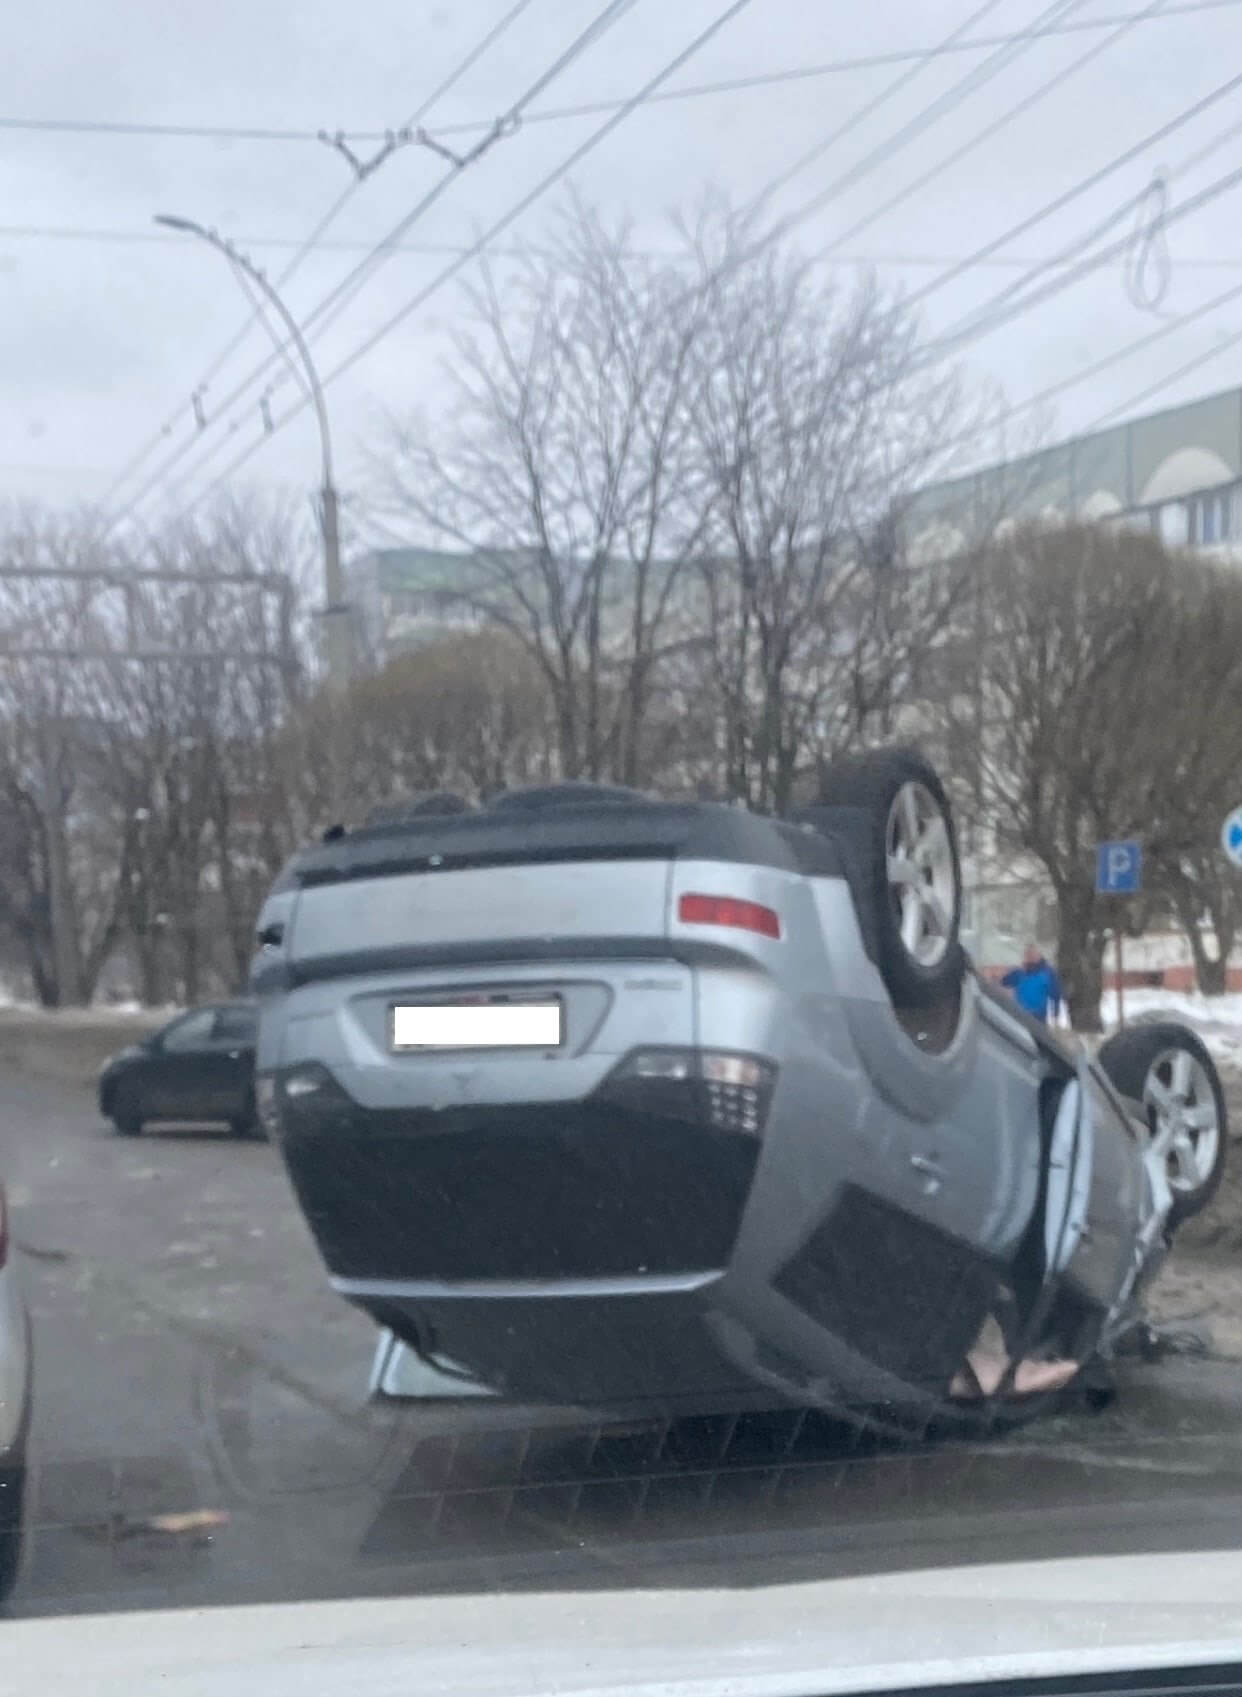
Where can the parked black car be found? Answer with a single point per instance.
(199, 1067)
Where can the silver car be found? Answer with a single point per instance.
(623, 1103)
(15, 1374)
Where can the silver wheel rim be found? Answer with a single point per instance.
(1179, 1093)
(922, 879)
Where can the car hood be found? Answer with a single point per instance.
(131, 1052)
(1050, 1619)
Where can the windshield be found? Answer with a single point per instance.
(620, 913)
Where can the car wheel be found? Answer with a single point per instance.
(1167, 1068)
(914, 875)
(12, 1492)
(126, 1113)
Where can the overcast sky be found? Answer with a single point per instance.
(107, 326)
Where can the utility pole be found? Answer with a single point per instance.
(61, 918)
(336, 612)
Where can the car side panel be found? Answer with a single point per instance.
(15, 1365)
(1119, 1199)
(946, 1197)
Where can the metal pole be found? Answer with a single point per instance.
(59, 892)
(1121, 979)
(337, 655)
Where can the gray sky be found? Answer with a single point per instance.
(103, 341)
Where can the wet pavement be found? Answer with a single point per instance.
(192, 1362)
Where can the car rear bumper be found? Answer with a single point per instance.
(560, 1251)
(637, 1344)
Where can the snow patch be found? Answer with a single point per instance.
(1217, 1019)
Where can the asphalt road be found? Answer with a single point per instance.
(190, 1357)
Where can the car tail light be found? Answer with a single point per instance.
(732, 911)
(309, 1099)
(724, 1091)
(4, 1228)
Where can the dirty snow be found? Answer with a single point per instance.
(1217, 1019)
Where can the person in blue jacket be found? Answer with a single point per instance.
(1035, 985)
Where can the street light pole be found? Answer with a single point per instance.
(336, 611)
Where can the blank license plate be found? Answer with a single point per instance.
(496, 1025)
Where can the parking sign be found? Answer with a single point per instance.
(1119, 868)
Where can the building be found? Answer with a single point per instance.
(1177, 473)
(404, 597)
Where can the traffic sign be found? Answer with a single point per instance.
(1119, 868)
(1231, 836)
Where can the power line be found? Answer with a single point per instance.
(1135, 247)
(329, 310)
(143, 453)
(992, 66)
(577, 154)
(974, 326)
(668, 256)
(1059, 202)
(1084, 374)
(1169, 379)
(595, 108)
(339, 296)
(923, 119)
(985, 134)
(829, 141)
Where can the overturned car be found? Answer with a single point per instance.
(625, 1103)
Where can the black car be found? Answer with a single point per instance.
(199, 1067)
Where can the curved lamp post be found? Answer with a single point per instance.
(335, 608)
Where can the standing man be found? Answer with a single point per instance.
(1035, 985)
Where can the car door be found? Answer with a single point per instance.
(178, 1078)
(231, 1052)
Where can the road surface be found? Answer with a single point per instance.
(190, 1358)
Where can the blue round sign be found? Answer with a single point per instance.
(1231, 836)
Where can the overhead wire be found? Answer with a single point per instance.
(548, 181)
(667, 256)
(1222, 345)
(1084, 374)
(1148, 14)
(977, 325)
(1148, 267)
(977, 140)
(1016, 44)
(379, 253)
(860, 114)
(307, 245)
(1144, 234)
(591, 108)
(1058, 203)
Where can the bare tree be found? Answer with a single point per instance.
(1108, 673)
(198, 754)
(62, 862)
(565, 478)
(469, 713)
(811, 429)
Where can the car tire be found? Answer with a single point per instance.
(12, 1494)
(917, 917)
(1140, 1062)
(126, 1114)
